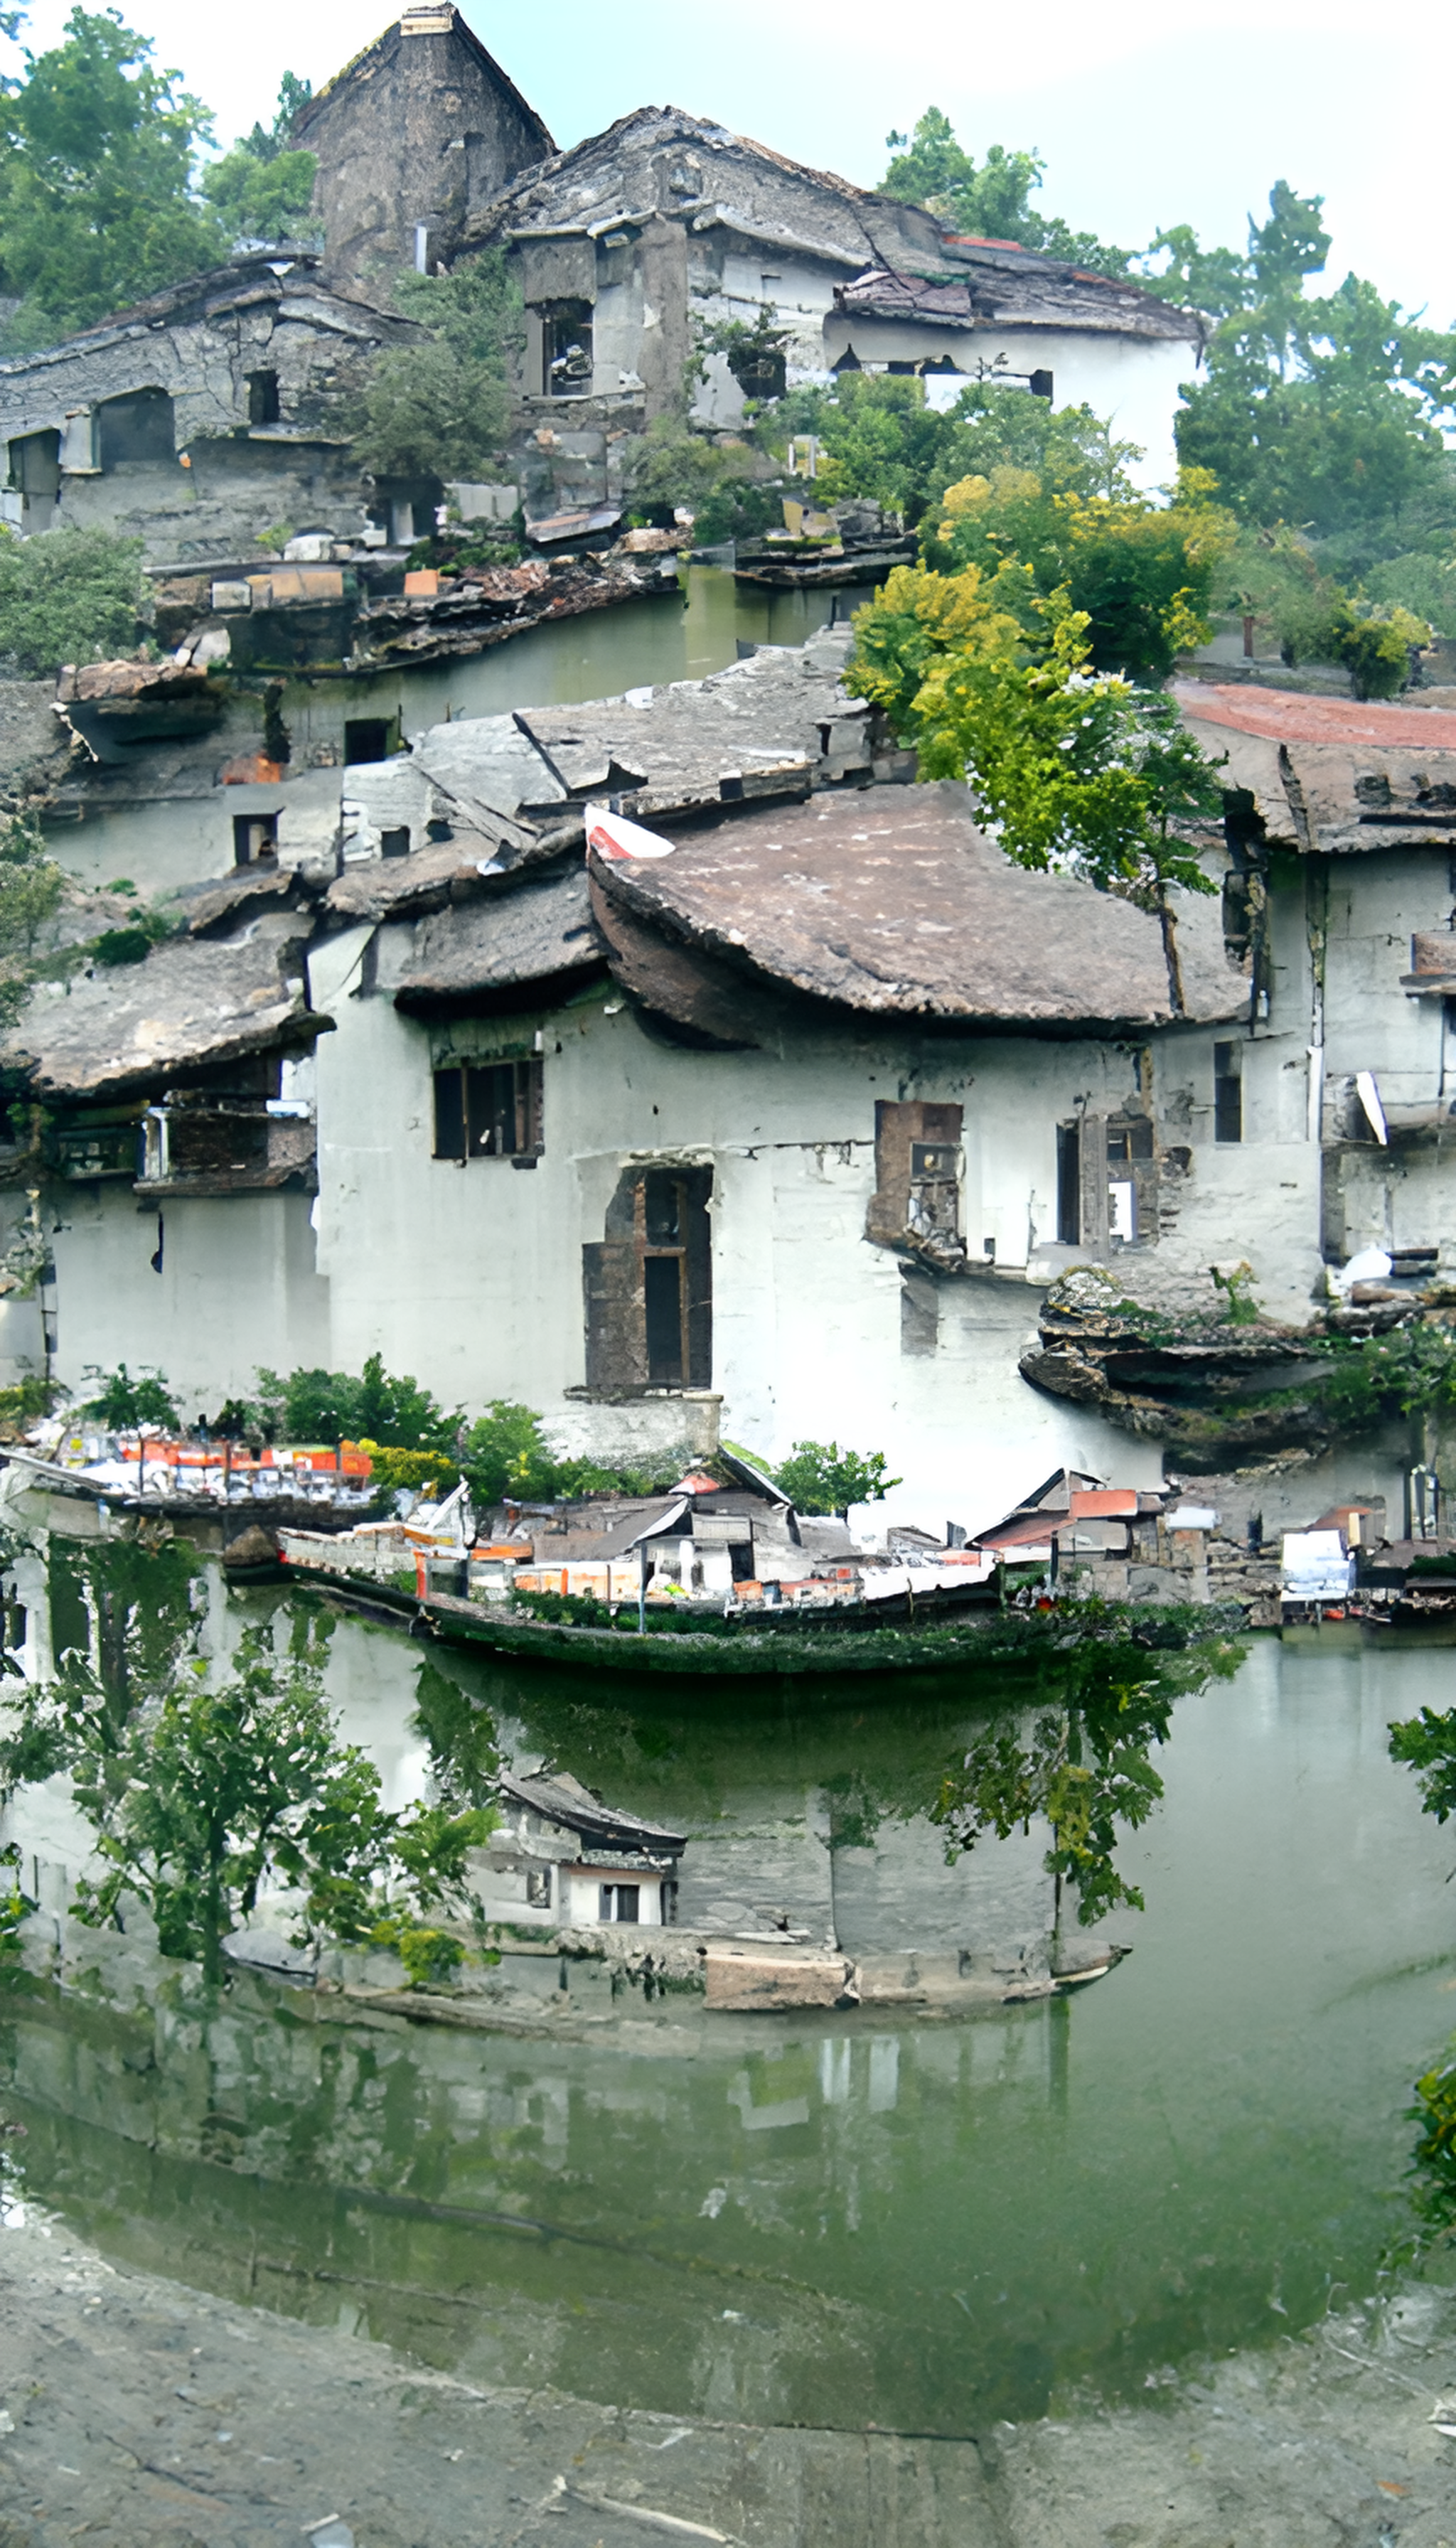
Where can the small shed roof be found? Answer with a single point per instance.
(193, 1005)
(563, 1800)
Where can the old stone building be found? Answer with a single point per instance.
(630, 246)
(411, 138)
(201, 418)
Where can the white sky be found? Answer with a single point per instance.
(1142, 117)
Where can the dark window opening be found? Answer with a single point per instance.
(902, 371)
(762, 372)
(1126, 1141)
(663, 1305)
(1040, 385)
(620, 1902)
(35, 465)
(489, 1110)
(1069, 1185)
(367, 739)
(649, 1283)
(255, 839)
(1227, 1093)
(262, 398)
(138, 427)
(566, 328)
(395, 843)
(538, 1887)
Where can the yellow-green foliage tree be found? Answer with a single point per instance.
(1071, 769)
(1141, 572)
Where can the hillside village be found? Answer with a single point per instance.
(832, 1117)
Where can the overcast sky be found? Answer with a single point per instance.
(1143, 115)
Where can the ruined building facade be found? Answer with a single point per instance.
(413, 138)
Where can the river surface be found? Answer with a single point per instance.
(602, 653)
(835, 2218)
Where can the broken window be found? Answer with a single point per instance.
(262, 398)
(136, 429)
(254, 837)
(917, 1163)
(366, 739)
(1069, 1185)
(538, 1887)
(566, 348)
(489, 1110)
(648, 1284)
(1228, 1092)
(35, 474)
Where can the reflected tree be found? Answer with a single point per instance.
(1083, 1763)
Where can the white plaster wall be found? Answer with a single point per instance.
(238, 1287)
(176, 842)
(1131, 381)
(1376, 904)
(470, 1277)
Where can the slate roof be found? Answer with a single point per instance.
(241, 285)
(193, 1004)
(1007, 286)
(895, 904)
(537, 936)
(563, 1800)
(1333, 775)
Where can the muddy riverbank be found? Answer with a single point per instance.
(138, 2411)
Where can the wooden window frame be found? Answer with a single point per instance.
(477, 1119)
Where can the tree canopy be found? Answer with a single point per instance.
(992, 202)
(443, 408)
(99, 195)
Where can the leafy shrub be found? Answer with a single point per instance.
(71, 596)
(392, 1468)
(32, 889)
(124, 1403)
(670, 466)
(334, 1407)
(505, 1454)
(441, 407)
(820, 1478)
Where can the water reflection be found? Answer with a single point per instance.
(606, 651)
(830, 2218)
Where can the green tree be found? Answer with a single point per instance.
(820, 1478)
(991, 202)
(203, 1792)
(1141, 574)
(880, 442)
(31, 890)
(96, 186)
(71, 598)
(1075, 771)
(441, 407)
(124, 1403)
(1318, 411)
(262, 189)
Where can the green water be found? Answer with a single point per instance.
(841, 2218)
(667, 638)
